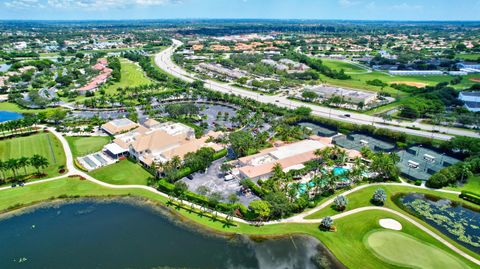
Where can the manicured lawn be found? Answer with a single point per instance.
(404, 250)
(81, 146)
(362, 198)
(44, 144)
(7, 106)
(338, 64)
(122, 173)
(468, 56)
(359, 81)
(473, 185)
(346, 244)
(132, 75)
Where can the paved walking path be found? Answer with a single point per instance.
(72, 170)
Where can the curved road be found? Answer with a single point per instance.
(164, 61)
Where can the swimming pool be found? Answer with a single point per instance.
(338, 171)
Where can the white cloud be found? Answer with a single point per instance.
(84, 4)
(405, 6)
(348, 3)
(23, 4)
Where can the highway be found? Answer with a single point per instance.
(164, 61)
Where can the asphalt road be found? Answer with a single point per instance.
(164, 61)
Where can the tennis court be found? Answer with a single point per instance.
(358, 141)
(420, 163)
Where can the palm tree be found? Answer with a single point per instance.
(466, 172)
(3, 168)
(23, 162)
(38, 162)
(12, 165)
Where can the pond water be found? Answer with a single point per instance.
(7, 115)
(453, 219)
(91, 234)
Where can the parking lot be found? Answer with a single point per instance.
(214, 180)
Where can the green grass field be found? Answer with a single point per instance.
(468, 56)
(360, 81)
(122, 173)
(403, 250)
(473, 185)
(7, 106)
(81, 146)
(44, 144)
(338, 64)
(132, 75)
(362, 198)
(346, 244)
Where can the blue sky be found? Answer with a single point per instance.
(277, 9)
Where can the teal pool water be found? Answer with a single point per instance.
(7, 115)
(338, 171)
(90, 234)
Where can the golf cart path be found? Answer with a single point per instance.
(73, 171)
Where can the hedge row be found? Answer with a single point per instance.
(470, 196)
(259, 191)
(168, 188)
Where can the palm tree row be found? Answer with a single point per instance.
(14, 126)
(22, 163)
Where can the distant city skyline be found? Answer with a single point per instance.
(418, 10)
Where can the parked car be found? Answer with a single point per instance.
(347, 115)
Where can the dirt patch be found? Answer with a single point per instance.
(475, 79)
(411, 83)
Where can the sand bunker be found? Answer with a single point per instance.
(411, 83)
(390, 224)
(475, 79)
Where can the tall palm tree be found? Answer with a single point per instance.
(3, 168)
(12, 165)
(38, 162)
(23, 162)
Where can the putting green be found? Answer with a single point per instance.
(404, 250)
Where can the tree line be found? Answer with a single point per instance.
(15, 164)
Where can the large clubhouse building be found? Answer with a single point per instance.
(153, 142)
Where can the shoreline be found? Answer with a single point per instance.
(174, 218)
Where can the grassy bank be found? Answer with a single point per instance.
(346, 244)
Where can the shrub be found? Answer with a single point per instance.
(259, 191)
(470, 196)
(379, 197)
(340, 202)
(326, 223)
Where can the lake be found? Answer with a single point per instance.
(458, 222)
(7, 115)
(94, 234)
